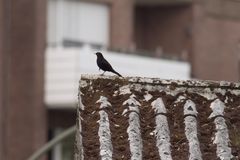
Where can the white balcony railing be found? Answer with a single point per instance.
(64, 66)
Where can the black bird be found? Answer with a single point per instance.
(104, 65)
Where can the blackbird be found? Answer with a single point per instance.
(104, 65)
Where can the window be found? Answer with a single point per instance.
(75, 23)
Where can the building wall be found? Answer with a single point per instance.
(77, 22)
(166, 28)
(1, 84)
(22, 47)
(22, 51)
(120, 27)
(122, 21)
(216, 41)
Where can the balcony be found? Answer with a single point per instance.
(64, 66)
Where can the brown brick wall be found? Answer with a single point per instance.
(168, 27)
(1, 83)
(24, 114)
(216, 46)
(122, 24)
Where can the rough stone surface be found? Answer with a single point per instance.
(174, 95)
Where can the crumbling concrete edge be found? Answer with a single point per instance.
(78, 145)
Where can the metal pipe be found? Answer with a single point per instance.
(48, 146)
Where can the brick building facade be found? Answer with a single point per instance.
(216, 53)
(210, 41)
(155, 27)
(23, 115)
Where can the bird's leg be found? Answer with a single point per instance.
(103, 73)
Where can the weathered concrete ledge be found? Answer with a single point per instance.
(151, 118)
(158, 81)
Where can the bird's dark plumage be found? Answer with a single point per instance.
(104, 65)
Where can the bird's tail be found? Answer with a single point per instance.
(117, 73)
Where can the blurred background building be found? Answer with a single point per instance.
(46, 44)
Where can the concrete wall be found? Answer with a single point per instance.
(22, 51)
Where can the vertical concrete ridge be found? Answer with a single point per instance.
(162, 132)
(190, 113)
(221, 138)
(134, 131)
(104, 132)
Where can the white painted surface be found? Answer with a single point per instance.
(162, 132)
(147, 96)
(124, 90)
(134, 131)
(221, 138)
(104, 132)
(78, 21)
(217, 107)
(64, 66)
(191, 130)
